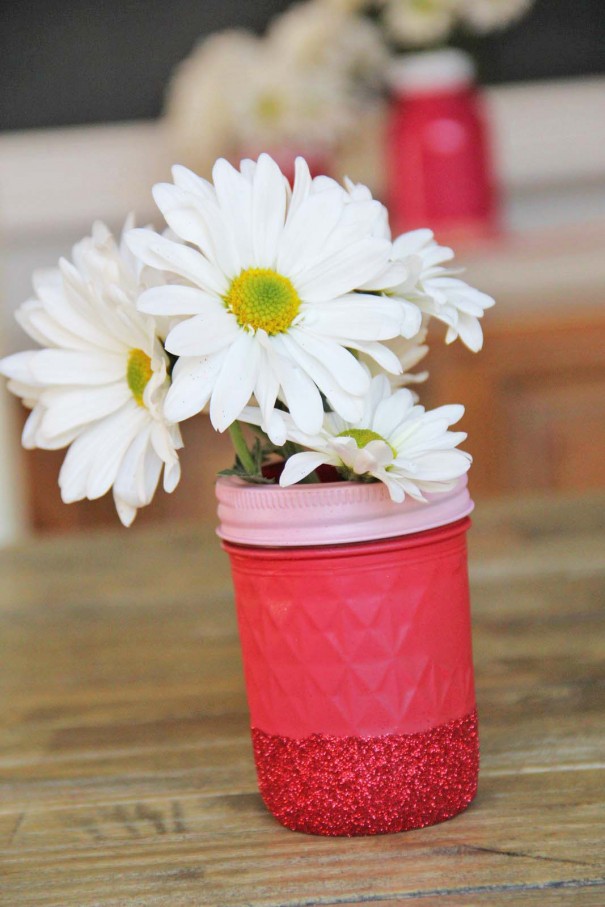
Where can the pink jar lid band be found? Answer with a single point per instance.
(330, 513)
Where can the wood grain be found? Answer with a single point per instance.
(533, 397)
(125, 762)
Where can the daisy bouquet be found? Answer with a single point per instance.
(289, 309)
(431, 23)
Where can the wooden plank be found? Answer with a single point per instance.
(228, 851)
(126, 774)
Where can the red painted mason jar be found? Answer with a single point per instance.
(438, 161)
(354, 621)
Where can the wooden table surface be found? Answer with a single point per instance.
(126, 774)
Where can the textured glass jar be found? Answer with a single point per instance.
(357, 653)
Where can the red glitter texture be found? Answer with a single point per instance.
(326, 785)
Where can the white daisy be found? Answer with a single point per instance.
(283, 106)
(435, 289)
(270, 306)
(419, 22)
(487, 15)
(202, 115)
(325, 37)
(100, 382)
(395, 441)
(299, 89)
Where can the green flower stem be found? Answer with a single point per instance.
(241, 448)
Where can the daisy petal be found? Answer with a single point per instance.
(191, 182)
(172, 476)
(197, 219)
(182, 214)
(235, 382)
(276, 428)
(301, 187)
(393, 274)
(42, 324)
(469, 330)
(111, 445)
(390, 411)
(307, 230)
(203, 334)
(342, 365)
(266, 388)
(343, 271)
(19, 367)
(193, 381)
(437, 465)
(363, 317)
(92, 461)
(410, 243)
(30, 429)
(125, 512)
(178, 258)
(173, 300)
(300, 392)
(234, 194)
(139, 472)
(268, 211)
(71, 367)
(68, 409)
(380, 353)
(300, 466)
(396, 488)
(343, 402)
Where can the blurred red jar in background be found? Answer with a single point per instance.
(439, 168)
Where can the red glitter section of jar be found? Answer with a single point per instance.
(326, 785)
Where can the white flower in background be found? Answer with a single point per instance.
(395, 441)
(349, 6)
(299, 89)
(487, 15)
(307, 33)
(435, 289)
(340, 61)
(203, 98)
(324, 37)
(100, 383)
(283, 106)
(270, 307)
(419, 22)
(315, 68)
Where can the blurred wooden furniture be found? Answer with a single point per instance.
(126, 767)
(535, 394)
(534, 399)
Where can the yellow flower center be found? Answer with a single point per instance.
(363, 436)
(262, 298)
(424, 6)
(269, 107)
(138, 373)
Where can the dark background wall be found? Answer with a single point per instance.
(64, 62)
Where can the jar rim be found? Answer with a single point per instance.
(329, 513)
